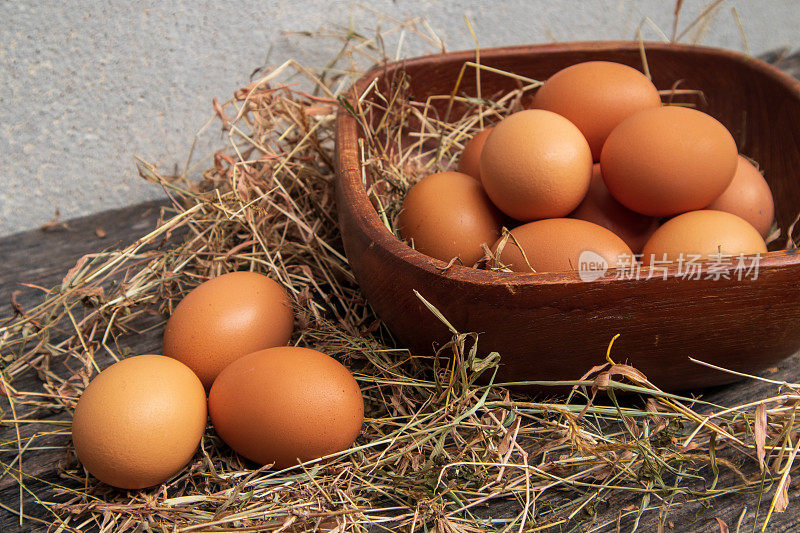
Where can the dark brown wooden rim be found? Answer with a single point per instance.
(355, 195)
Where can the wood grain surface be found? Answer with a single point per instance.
(550, 326)
(42, 258)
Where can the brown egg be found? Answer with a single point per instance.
(536, 164)
(556, 245)
(470, 161)
(705, 233)
(602, 209)
(748, 196)
(448, 215)
(139, 421)
(596, 96)
(285, 405)
(225, 318)
(669, 160)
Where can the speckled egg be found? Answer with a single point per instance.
(470, 160)
(749, 197)
(704, 233)
(602, 209)
(536, 164)
(286, 405)
(557, 244)
(139, 421)
(668, 160)
(225, 318)
(596, 96)
(448, 215)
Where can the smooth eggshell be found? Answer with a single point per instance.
(225, 318)
(596, 96)
(706, 233)
(602, 209)
(669, 160)
(555, 245)
(470, 160)
(448, 215)
(536, 164)
(139, 421)
(285, 405)
(749, 197)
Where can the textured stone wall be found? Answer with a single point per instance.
(88, 85)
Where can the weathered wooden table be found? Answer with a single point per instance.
(43, 257)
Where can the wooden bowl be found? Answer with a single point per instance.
(553, 326)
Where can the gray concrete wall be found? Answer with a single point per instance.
(86, 85)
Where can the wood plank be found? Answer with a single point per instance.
(42, 258)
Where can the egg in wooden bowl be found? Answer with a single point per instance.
(556, 325)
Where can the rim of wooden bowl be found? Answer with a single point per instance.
(367, 219)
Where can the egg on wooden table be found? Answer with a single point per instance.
(597, 96)
(536, 164)
(139, 421)
(286, 405)
(749, 197)
(447, 215)
(668, 160)
(558, 244)
(225, 318)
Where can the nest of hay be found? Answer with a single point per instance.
(439, 451)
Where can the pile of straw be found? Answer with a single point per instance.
(439, 451)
